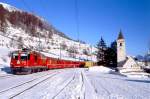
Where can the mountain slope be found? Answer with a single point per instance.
(20, 29)
(27, 21)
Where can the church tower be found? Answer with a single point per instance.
(121, 49)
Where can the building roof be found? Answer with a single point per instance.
(120, 36)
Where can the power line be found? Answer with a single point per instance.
(25, 4)
(77, 22)
(77, 18)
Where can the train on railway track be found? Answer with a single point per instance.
(26, 61)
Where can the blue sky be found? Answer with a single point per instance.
(96, 18)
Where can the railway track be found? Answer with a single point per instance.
(102, 86)
(8, 76)
(9, 90)
(64, 87)
(12, 75)
(82, 87)
(33, 86)
(87, 82)
(76, 84)
(5, 75)
(20, 84)
(70, 82)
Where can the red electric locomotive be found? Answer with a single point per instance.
(26, 61)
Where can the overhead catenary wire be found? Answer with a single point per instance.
(77, 18)
(60, 48)
(44, 7)
(30, 9)
(77, 23)
(26, 5)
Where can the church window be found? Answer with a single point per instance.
(120, 44)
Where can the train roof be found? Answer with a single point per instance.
(58, 57)
(48, 54)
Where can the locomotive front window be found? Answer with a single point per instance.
(15, 56)
(25, 57)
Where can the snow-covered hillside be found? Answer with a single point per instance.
(9, 8)
(17, 35)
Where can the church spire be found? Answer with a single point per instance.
(121, 49)
(120, 36)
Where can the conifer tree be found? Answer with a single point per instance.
(111, 55)
(114, 46)
(101, 52)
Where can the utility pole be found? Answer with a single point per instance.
(60, 50)
(77, 24)
(39, 42)
(91, 52)
(59, 47)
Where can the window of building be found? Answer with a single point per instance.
(120, 44)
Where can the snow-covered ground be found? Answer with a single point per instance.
(74, 83)
(113, 86)
(4, 60)
(101, 69)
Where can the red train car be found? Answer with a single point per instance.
(27, 61)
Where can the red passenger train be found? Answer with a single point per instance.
(26, 61)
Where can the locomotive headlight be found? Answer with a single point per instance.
(18, 62)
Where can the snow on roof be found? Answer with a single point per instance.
(130, 63)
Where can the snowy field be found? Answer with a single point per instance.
(72, 83)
